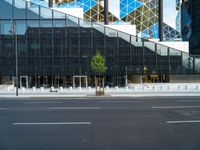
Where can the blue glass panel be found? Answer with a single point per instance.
(19, 9)
(127, 6)
(21, 27)
(5, 27)
(32, 11)
(46, 13)
(6, 10)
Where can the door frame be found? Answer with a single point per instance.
(79, 78)
(26, 78)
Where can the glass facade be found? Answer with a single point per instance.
(53, 47)
(142, 13)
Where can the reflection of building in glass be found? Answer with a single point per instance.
(194, 11)
(190, 23)
(55, 49)
(143, 14)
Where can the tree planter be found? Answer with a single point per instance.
(99, 68)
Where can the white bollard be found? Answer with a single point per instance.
(161, 88)
(8, 89)
(168, 87)
(186, 87)
(61, 89)
(179, 88)
(89, 88)
(153, 88)
(107, 88)
(70, 88)
(116, 88)
(79, 88)
(23, 89)
(126, 88)
(34, 88)
(42, 89)
(142, 87)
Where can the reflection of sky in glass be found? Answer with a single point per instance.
(170, 12)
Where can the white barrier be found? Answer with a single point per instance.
(79, 88)
(34, 88)
(23, 89)
(89, 88)
(70, 88)
(126, 88)
(42, 89)
(61, 89)
(165, 87)
(116, 88)
(107, 88)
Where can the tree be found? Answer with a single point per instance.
(98, 66)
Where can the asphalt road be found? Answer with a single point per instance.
(168, 123)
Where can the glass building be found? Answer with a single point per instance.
(55, 49)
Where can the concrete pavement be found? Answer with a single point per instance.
(167, 123)
(111, 92)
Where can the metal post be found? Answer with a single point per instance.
(13, 31)
(126, 77)
(16, 54)
(160, 17)
(106, 12)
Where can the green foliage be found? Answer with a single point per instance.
(97, 64)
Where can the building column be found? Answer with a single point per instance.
(51, 3)
(106, 11)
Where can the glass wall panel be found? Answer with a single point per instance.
(33, 46)
(45, 13)
(85, 39)
(150, 58)
(99, 39)
(124, 49)
(186, 62)
(21, 37)
(7, 49)
(32, 11)
(46, 37)
(197, 64)
(6, 10)
(112, 49)
(175, 61)
(162, 59)
(58, 15)
(59, 38)
(7, 40)
(72, 32)
(20, 9)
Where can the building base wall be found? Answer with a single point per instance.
(184, 78)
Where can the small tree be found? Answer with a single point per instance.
(98, 66)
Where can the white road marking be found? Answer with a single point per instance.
(189, 100)
(172, 107)
(3, 108)
(118, 101)
(186, 121)
(74, 108)
(43, 102)
(53, 123)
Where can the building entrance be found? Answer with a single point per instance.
(24, 81)
(80, 81)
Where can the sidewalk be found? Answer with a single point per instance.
(143, 91)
